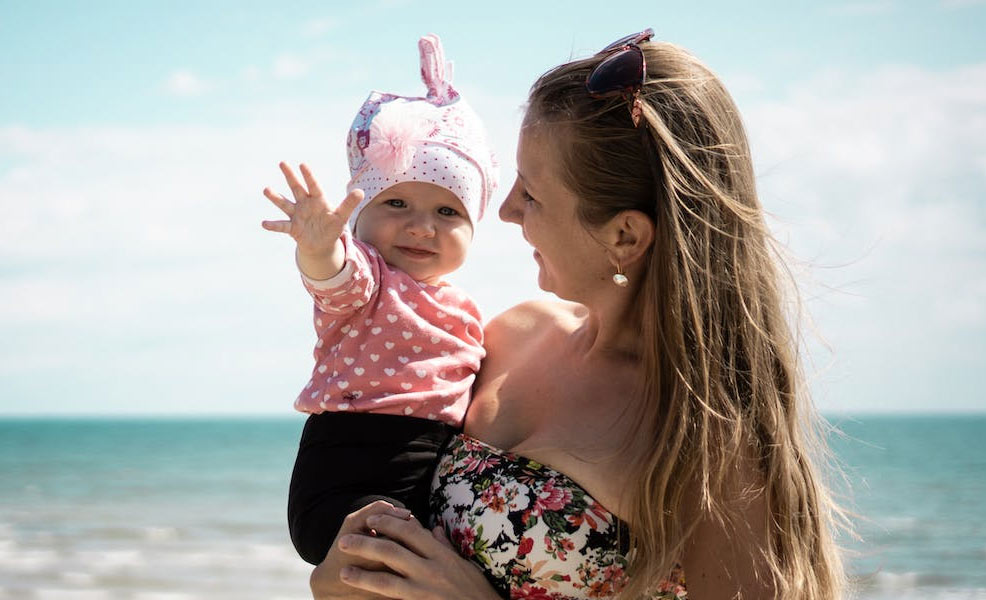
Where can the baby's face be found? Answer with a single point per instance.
(420, 228)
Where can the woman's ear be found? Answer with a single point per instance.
(628, 236)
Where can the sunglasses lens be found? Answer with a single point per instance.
(618, 72)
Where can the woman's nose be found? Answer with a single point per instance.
(510, 210)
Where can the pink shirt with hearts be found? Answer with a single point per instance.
(388, 344)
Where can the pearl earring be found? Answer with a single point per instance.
(619, 278)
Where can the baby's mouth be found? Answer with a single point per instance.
(416, 252)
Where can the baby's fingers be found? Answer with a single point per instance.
(297, 189)
(286, 206)
(278, 226)
(313, 187)
(349, 203)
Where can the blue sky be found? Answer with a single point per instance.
(135, 139)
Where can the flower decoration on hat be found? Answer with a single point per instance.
(394, 137)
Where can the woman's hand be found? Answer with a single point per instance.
(422, 565)
(324, 581)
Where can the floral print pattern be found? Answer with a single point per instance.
(536, 534)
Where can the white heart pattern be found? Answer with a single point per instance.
(353, 333)
(374, 383)
(403, 359)
(374, 357)
(389, 372)
(440, 314)
(322, 368)
(420, 373)
(349, 361)
(402, 286)
(406, 386)
(346, 328)
(408, 410)
(407, 335)
(343, 384)
(417, 349)
(434, 339)
(388, 345)
(412, 305)
(392, 318)
(343, 406)
(376, 330)
(358, 370)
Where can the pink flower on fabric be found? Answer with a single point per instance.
(394, 137)
(552, 498)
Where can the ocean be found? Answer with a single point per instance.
(167, 509)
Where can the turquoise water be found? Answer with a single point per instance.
(919, 489)
(183, 509)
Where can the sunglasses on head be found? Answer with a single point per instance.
(621, 73)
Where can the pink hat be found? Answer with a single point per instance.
(436, 139)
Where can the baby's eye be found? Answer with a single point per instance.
(448, 211)
(395, 202)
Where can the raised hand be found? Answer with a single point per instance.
(313, 224)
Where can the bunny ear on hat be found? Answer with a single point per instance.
(435, 72)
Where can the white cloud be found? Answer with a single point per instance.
(290, 67)
(186, 84)
(882, 175)
(319, 27)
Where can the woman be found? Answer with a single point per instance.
(665, 387)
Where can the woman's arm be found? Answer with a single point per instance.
(420, 565)
(726, 560)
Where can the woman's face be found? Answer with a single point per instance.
(571, 262)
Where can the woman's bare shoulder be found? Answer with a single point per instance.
(530, 317)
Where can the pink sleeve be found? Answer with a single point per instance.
(354, 286)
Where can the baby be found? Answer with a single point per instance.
(398, 348)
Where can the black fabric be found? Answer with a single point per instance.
(348, 460)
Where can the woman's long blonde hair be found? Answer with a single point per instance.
(721, 372)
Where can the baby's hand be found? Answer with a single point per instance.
(313, 224)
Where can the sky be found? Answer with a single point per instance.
(135, 140)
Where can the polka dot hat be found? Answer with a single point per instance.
(437, 139)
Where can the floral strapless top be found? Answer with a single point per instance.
(535, 533)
